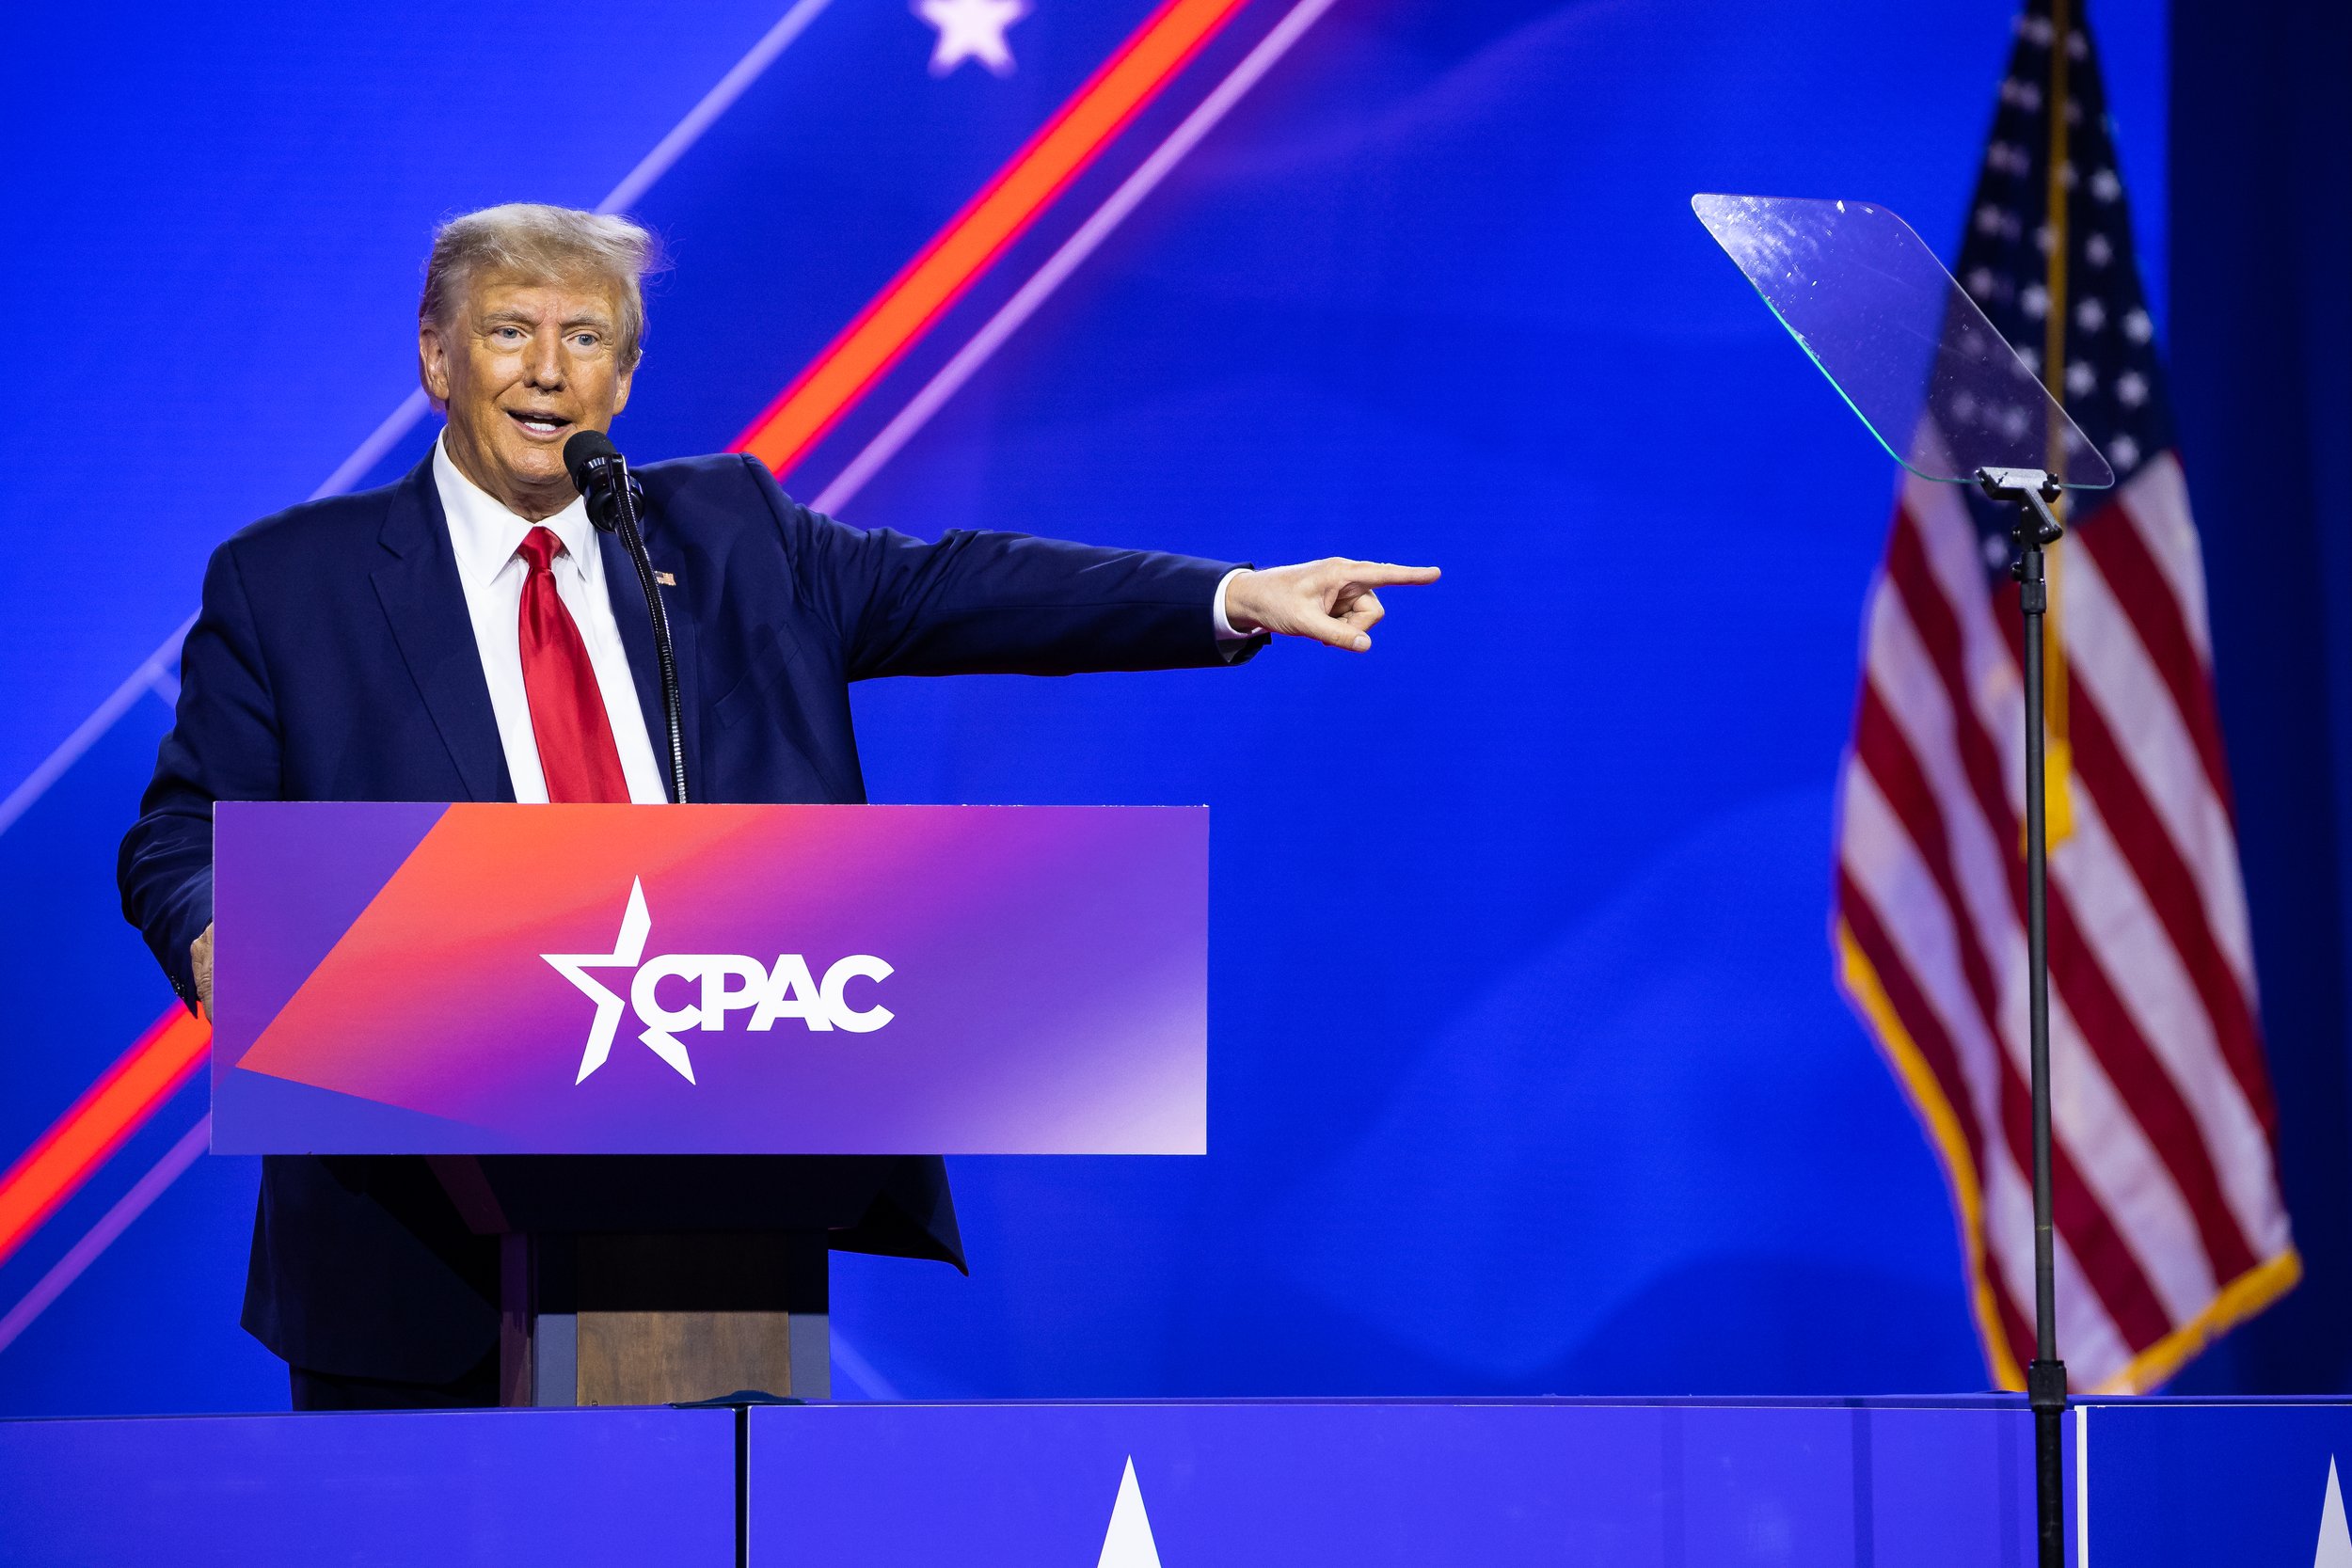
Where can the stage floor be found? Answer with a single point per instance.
(1868, 1482)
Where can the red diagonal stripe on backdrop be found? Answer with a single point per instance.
(94, 1126)
(911, 302)
(1014, 198)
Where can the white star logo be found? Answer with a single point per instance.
(628, 950)
(971, 30)
(1128, 1542)
(2335, 1542)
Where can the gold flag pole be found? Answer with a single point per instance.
(2059, 757)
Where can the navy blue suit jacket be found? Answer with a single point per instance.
(334, 660)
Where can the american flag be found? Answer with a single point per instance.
(2169, 1224)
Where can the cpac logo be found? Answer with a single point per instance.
(721, 983)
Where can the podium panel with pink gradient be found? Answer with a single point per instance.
(747, 980)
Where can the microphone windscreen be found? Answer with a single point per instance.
(583, 449)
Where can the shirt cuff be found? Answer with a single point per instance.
(1225, 632)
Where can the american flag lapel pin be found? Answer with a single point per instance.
(665, 579)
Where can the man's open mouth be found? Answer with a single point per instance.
(540, 425)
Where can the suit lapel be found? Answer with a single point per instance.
(426, 606)
(630, 614)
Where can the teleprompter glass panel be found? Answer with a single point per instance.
(1899, 339)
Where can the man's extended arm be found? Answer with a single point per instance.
(977, 603)
(223, 746)
(1006, 603)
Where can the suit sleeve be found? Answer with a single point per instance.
(223, 746)
(979, 603)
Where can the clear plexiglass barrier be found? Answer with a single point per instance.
(1899, 339)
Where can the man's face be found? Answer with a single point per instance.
(522, 368)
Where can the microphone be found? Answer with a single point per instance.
(616, 500)
(600, 472)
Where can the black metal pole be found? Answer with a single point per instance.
(601, 474)
(665, 660)
(2045, 1379)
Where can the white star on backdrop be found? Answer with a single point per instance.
(971, 30)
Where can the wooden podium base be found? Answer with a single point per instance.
(662, 1318)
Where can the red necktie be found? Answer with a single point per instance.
(567, 718)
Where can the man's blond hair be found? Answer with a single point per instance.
(540, 244)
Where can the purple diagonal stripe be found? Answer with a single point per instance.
(130, 1206)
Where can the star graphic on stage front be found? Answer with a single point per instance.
(628, 951)
(971, 30)
(1128, 1543)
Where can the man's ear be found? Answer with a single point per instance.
(620, 389)
(432, 362)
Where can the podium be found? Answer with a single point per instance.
(665, 1053)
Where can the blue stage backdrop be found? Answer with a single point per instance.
(1527, 1071)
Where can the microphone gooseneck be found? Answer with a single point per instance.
(615, 501)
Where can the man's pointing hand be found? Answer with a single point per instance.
(1332, 601)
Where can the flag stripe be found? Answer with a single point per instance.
(2019, 1328)
(2007, 1208)
(1942, 1106)
(2113, 540)
(1882, 862)
(2182, 1093)
(2107, 663)
(2149, 1105)
(1894, 769)
(1956, 656)
(2156, 501)
(2155, 862)
(2128, 1175)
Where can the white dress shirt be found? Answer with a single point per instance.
(485, 536)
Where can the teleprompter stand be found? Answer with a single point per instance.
(1949, 400)
(2037, 528)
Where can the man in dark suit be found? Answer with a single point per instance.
(455, 636)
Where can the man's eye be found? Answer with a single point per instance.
(584, 340)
